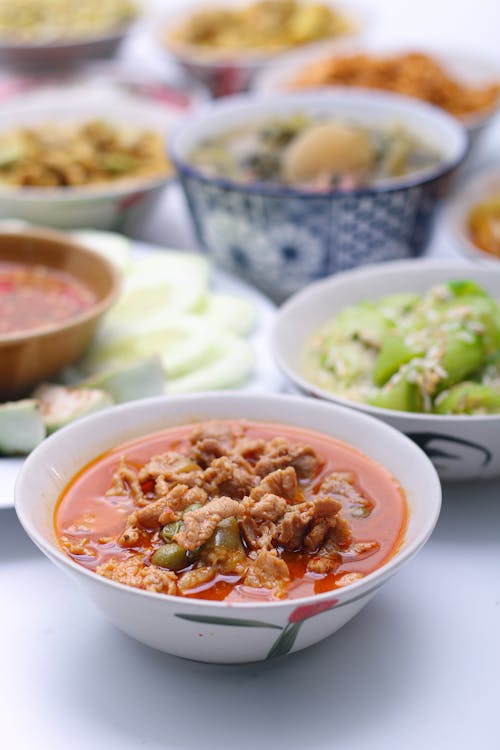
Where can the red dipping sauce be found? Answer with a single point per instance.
(33, 297)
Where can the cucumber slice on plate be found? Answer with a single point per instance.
(231, 313)
(115, 247)
(233, 365)
(184, 343)
(175, 281)
(130, 381)
(21, 427)
(60, 405)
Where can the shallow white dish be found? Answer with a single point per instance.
(266, 376)
(461, 447)
(226, 72)
(95, 206)
(206, 630)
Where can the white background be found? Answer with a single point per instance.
(418, 668)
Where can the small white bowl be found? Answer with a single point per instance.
(207, 630)
(473, 70)
(479, 187)
(232, 72)
(96, 206)
(461, 447)
(61, 53)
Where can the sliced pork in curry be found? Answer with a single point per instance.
(233, 510)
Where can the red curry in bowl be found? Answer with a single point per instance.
(234, 511)
(35, 296)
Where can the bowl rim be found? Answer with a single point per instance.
(113, 34)
(280, 73)
(103, 190)
(97, 309)
(356, 590)
(304, 298)
(312, 97)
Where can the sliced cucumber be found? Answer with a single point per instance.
(21, 427)
(131, 381)
(174, 281)
(115, 247)
(60, 405)
(184, 343)
(232, 367)
(232, 313)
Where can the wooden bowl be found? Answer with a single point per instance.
(35, 355)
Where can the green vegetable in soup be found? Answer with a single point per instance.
(227, 535)
(437, 352)
(171, 556)
(170, 530)
(316, 152)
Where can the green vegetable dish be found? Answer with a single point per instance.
(437, 353)
(314, 153)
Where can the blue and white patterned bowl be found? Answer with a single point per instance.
(282, 238)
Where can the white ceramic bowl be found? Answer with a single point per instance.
(478, 187)
(283, 237)
(206, 630)
(461, 447)
(224, 72)
(96, 206)
(61, 53)
(472, 70)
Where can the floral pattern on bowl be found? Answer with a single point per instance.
(282, 243)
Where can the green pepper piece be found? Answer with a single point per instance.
(227, 534)
(469, 398)
(169, 531)
(399, 394)
(466, 288)
(363, 321)
(394, 353)
(171, 556)
(463, 354)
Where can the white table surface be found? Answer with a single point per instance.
(418, 668)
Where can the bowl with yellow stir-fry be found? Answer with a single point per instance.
(224, 44)
(413, 343)
(287, 189)
(77, 156)
(51, 33)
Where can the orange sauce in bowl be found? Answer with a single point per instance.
(33, 297)
(86, 515)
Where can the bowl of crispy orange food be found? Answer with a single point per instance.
(223, 45)
(230, 527)
(465, 86)
(78, 156)
(53, 293)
